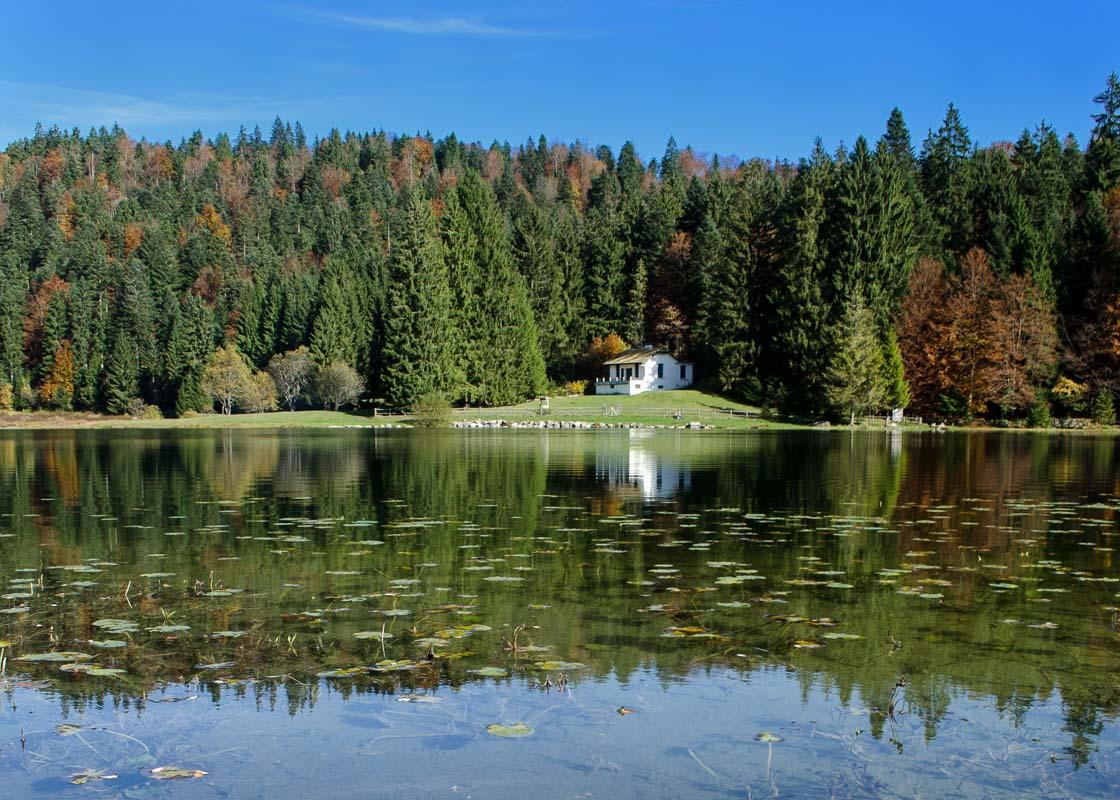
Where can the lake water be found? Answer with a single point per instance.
(565, 615)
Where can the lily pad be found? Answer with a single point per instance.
(91, 776)
(490, 672)
(173, 773)
(514, 731)
(560, 666)
(345, 672)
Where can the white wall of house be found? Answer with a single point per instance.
(659, 371)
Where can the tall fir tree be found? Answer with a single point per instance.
(420, 357)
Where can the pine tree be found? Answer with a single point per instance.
(797, 336)
(1102, 160)
(896, 388)
(121, 381)
(855, 378)
(946, 180)
(508, 363)
(420, 359)
(634, 327)
(333, 334)
(604, 259)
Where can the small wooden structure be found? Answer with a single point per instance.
(545, 409)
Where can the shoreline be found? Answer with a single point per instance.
(340, 420)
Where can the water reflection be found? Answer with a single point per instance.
(640, 461)
(780, 571)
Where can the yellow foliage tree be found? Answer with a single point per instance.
(57, 390)
(210, 219)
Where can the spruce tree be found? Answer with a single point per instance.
(1102, 160)
(121, 380)
(420, 359)
(510, 366)
(333, 334)
(797, 335)
(854, 382)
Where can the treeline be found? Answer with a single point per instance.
(951, 279)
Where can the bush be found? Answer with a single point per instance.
(26, 397)
(189, 414)
(7, 397)
(575, 387)
(1103, 408)
(431, 411)
(1039, 415)
(151, 412)
(135, 408)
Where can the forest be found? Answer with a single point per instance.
(958, 281)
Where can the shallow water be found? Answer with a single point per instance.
(797, 614)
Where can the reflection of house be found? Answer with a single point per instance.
(655, 475)
(643, 369)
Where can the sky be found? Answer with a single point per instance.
(733, 77)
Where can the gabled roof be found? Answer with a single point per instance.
(636, 355)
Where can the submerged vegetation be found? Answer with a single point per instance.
(483, 575)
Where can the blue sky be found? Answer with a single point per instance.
(748, 78)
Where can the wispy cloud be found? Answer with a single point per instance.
(68, 105)
(24, 104)
(430, 26)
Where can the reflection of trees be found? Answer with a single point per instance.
(854, 501)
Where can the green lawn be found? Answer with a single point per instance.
(652, 408)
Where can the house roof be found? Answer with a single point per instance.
(637, 355)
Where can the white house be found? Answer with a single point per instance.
(643, 369)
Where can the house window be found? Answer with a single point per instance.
(684, 372)
(660, 371)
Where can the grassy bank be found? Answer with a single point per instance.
(672, 408)
(654, 408)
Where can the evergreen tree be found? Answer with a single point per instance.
(420, 358)
(122, 385)
(855, 379)
(1102, 160)
(333, 334)
(946, 180)
(797, 338)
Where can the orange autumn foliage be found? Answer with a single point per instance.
(34, 321)
(133, 235)
(988, 342)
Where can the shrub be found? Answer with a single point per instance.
(1103, 408)
(135, 408)
(189, 414)
(151, 412)
(7, 397)
(575, 387)
(26, 397)
(1039, 414)
(431, 411)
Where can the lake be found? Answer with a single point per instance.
(615, 614)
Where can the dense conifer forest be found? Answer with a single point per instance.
(956, 280)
